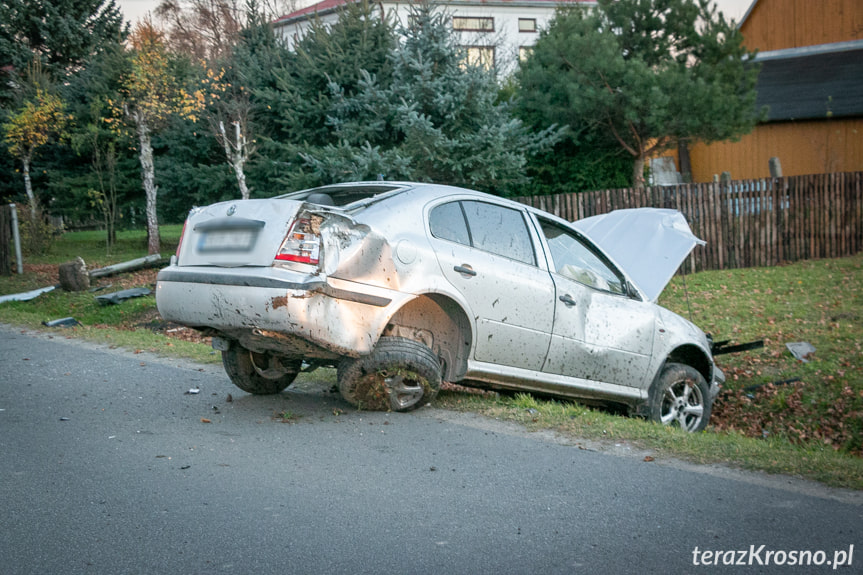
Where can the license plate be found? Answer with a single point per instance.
(227, 240)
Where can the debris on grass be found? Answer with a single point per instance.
(801, 350)
(120, 296)
(62, 322)
(27, 295)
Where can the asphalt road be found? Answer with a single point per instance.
(107, 467)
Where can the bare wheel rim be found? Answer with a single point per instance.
(267, 366)
(683, 403)
(404, 390)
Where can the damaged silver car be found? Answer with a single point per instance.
(401, 286)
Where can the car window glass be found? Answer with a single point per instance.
(499, 230)
(573, 259)
(447, 222)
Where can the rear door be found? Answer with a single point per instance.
(487, 252)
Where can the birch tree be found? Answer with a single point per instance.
(228, 108)
(40, 119)
(150, 95)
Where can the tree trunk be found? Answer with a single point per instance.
(237, 153)
(28, 186)
(150, 188)
(638, 173)
(241, 178)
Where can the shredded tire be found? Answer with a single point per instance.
(399, 375)
(259, 374)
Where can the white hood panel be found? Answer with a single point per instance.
(649, 244)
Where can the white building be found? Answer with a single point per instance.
(494, 32)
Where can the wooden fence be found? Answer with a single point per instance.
(746, 223)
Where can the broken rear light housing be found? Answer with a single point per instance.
(303, 242)
(180, 243)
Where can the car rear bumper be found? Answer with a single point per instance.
(343, 317)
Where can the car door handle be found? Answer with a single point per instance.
(567, 299)
(465, 269)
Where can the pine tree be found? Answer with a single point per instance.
(643, 74)
(60, 33)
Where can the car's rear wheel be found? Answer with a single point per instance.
(259, 373)
(399, 375)
(680, 397)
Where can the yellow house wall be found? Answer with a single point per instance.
(802, 147)
(780, 24)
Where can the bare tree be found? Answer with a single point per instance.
(203, 29)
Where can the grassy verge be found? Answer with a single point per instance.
(811, 427)
(773, 454)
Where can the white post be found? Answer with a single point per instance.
(16, 237)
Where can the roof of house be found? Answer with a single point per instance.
(748, 12)
(812, 82)
(328, 6)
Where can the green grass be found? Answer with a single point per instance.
(810, 429)
(819, 302)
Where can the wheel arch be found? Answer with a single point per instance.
(693, 356)
(439, 322)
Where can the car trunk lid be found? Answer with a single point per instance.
(237, 233)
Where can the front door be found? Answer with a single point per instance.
(600, 333)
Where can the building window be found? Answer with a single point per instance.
(479, 56)
(527, 24)
(524, 53)
(472, 24)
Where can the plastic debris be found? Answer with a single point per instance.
(801, 350)
(62, 322)
(193, 391)
(27, 295)
(119, 296)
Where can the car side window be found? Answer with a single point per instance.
(447, 223)
(574, 259)
(499, 230)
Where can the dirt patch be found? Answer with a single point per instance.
(153, 321)
(44, 274)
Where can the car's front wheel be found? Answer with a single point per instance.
(399, 375)
(680, 397)
(259, 373)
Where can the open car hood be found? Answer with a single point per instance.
(649, 244)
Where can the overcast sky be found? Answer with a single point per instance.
(135, 9)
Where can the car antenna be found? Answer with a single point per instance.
(686, 289)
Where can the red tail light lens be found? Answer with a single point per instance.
(180, 243)
(302, 244)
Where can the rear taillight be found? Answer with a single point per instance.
(180, 243)
(302, 244)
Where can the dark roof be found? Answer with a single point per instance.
(813, 82)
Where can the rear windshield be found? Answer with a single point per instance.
(340, 195)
